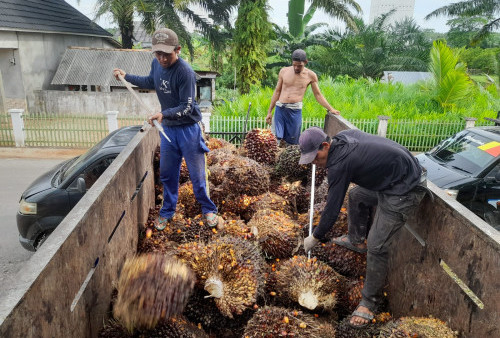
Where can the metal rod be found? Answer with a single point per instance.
(311, 208)
(150, 111)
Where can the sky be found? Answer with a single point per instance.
(279, 8)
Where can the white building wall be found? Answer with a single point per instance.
(404, 8)
(37, 56)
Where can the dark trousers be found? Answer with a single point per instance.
(391, 213)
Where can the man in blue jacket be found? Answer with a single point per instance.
(175, 84)
(388, 177)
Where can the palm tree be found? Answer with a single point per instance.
(173, 14)
(451, 83)
(298, 18)
(123, 14)
(472, 8)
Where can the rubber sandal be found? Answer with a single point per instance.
(347, 244)
(369, 317)
(161, 223)
(213, 220)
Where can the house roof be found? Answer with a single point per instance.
(48, 16)
(94, 66)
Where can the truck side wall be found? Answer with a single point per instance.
(443, 231)
(65, 288)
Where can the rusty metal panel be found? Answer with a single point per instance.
(65, 288)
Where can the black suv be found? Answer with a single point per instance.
(47, 200)
(467, 167)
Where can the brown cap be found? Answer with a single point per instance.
(164, 40)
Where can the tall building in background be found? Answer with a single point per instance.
(404, 8)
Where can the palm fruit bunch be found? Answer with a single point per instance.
(214, 143)
(152, 240)
(237, 228)
(184, 172)
(319, 176)
(202, 309)
(229, 203)
(220, 156)
(245, 176)
(267, 201)
(229, 268)
(188, 200)
(185, 229)
(261, 145)
(175, 327)
(416, 327)
(309, 282)
(272, 321)
(344, 330)
(339, 228)
(288, 165)
(342, 260)
(278, 235)
(296, 194)
(151, 287)
(350, 296)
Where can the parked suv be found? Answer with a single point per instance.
(47, 200)
(467, 167)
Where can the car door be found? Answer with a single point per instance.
(87, 178)
(490, 187)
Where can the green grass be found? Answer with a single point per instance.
(365, 99)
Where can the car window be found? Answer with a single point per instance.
(93, 172)
(493, 172)
(466, 152)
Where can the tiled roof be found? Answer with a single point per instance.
(54, 16)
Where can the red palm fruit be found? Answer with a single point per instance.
(261, 145)
(187, 198)
(271, 321)
(342, 260)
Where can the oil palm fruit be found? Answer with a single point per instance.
(268, 201)
(261, 145)
(344, 330)
(188, 199)
(272, 321)
(246, 176)
(416, 327)
(214, 143)
(151, 287)
(278, 235)
(295, 194)
(342, 260)
(229, 269)
(309, 282)
(288, 165)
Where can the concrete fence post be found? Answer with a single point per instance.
(383, 121)
(18, 126)
(205, 119)
(470, 122)
(112, 120)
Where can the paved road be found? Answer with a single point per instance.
(15, 176)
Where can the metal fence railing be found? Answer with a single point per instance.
(48, 130)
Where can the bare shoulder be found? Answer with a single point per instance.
(312, 75)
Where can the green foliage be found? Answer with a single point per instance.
(366, 99)
(480, 59)
(451, 83)
(251, 39)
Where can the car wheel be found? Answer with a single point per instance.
(40, 240)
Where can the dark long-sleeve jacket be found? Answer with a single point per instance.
(176, 90)
(370, 161)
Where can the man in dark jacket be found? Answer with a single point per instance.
(388, 177)
(175, 83)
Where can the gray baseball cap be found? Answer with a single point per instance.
(310, 141)
(164, 40)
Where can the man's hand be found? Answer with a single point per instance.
(334, 111)
(118, 71)
(269, 118)
(309, 243)
(157, 116)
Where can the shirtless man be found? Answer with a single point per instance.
(287, 97)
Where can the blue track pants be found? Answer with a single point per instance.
(187, 142)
